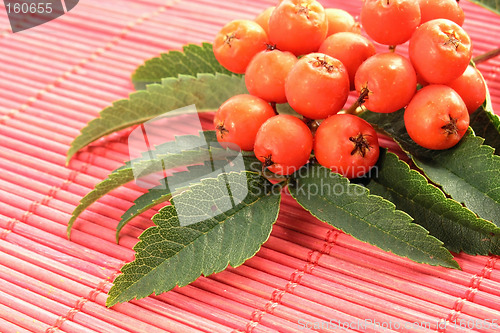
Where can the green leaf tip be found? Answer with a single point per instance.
(221, 221)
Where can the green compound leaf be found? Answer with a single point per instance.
(493, 5)
(178, 181)
(369, 218)
(222, 221)
(205, 91)
(458, 227)
(186, 150)
(193, 60)
(468, 172)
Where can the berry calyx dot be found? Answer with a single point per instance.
(228, 39)
(221, 129)
(303, 9)
(270, 47)
(451, 127)
(268, 161)
(361, 145)
(324, 63)
(453, 39)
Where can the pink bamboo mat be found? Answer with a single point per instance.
(57, 77)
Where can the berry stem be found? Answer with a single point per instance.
(273, 105)
(311, 123)
(353, 108)
(276, 178)
(359, 101)
(392, 48)
(486, 56)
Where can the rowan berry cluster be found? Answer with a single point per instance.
(312, 58)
